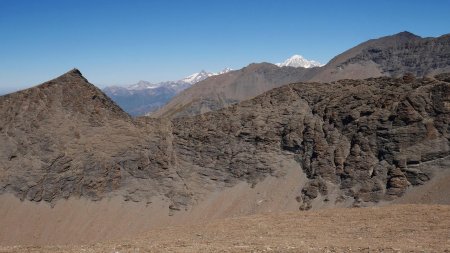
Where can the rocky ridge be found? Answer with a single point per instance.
(357, 141)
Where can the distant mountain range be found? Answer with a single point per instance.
(391, 56)
(202, 75)
(144, 97)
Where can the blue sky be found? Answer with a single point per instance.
(121, 42)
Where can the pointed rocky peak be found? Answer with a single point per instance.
(406, 34)
(69, 93)
(75, 72)
(72, 77)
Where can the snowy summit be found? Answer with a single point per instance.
(177, 86)
(202, 75)
(297, 61)
(197, 77)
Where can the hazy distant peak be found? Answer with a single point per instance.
(141, 85)
(202, 75)
(176, 85)
(225, 70)
(297, 61)
(197, 77)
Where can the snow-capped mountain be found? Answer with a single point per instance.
(299, 61)
(197, 77)
(182, 83)
(202, 75)
(144, 97)
(225, 70)
(141, 85)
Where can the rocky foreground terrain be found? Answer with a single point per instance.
(403, 228)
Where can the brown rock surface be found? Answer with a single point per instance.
(65, 138)
(358, 141)
(403, 228)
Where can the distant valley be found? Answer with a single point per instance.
(145, 97)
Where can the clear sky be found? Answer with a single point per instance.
(121, 42)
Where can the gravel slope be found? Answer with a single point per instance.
(398, 228)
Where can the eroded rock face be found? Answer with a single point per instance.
(361, 141)
(366, 137)
(371, 134)
(66, 138)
